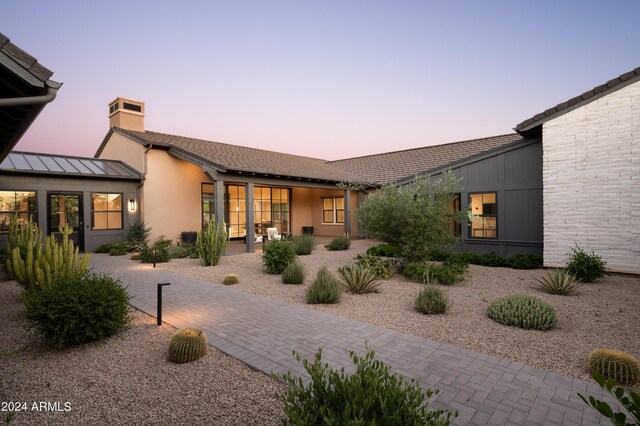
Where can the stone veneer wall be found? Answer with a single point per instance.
(591, 181)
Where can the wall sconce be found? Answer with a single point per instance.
(132, 205)
(178, 241)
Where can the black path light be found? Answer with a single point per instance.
(159, 305)
(155, 254)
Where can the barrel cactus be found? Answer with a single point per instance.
(187, 345)
(230, 279)
(523, 311)
(621, 367)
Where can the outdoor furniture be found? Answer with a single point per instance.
(272, 234)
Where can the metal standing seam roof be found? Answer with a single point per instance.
(63, 165)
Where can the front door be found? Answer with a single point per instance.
(66, 209)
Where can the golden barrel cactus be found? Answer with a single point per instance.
(187, 345)
(621, 367)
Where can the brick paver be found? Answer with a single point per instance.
(262, 333)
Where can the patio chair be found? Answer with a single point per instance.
(272, 234)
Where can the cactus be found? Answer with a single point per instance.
(230, 279)
(187, 345)
(212, 242)
(20, 237)
(621, 367)
(524, 312)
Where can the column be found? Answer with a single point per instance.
(250, 217)
(218, 200)
(347, 212)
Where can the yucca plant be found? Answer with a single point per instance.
(294, 273)
(558, 281)
(212, 242)
(325, 289)
(359, 279)
(137, 235)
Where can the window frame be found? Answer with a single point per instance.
(204, 224)
(107, 211)
(494, 215)
(30, 213)
(334, 210)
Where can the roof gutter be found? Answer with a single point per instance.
(52, 92)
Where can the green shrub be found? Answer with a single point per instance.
(371, 395)
(276, 255)
(161, 256)
(359, 279)
(187, 345)
(324, 289)
(464, 258)
(135, 256)
(492, 259)
(586, 267)
(294, 273)
(427, 273)
(192, 249)
(230, 279)
(339, 243)
(78, 310)
(211, 243)
(627, 398)
(118, 249)
(439, 255)
(558, 282)
(525, 261)
(137, 235)
(105, 248)
(415, 271)
(431, 300)
(179, 252)
(162, 243)
(381, 267)
(619, 366)
(384, 249)
(303, 244)
(523, 311)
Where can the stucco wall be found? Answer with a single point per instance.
(591, 178)
(124, 149)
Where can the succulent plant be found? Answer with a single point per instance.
(359, 279)
(230, 279)
(558, 281)
(523, 311)
(621, 367)
(187, 345)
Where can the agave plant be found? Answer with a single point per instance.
(359, 279)
(558, 281)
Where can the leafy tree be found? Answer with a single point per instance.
(415, 217)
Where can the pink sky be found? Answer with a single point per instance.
(327, 79)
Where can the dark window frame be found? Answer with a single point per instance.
(107, 211)
(334, 210)
(205, 223)
(483, 215)
(30, 213)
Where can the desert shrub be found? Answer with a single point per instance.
(230, 279)
(523, 311)
(294, 273)
(137, 235)
(431, 300)
(179, 252)
(427, 273)
(135, 256)
(276, 255)
(78, 310)
(106, 248)
(339, 243)
(211, 243)
(118, 249)
(492, 259)
(303, 244)
(464, 258)
(381, 267)
(627, 398)
(162, 243)
(586, 267)
(619, 366)
(161, 256)
(324, 289)
(524, 261)
(558, 282)
(384, 249)
(192, 249)
(359, 279)
(371, 395)
(415, 271)
(438, 255)
(187, 345)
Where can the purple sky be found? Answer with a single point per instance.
(329, 79)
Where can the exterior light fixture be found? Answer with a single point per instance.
(132, 205)
(178, 241)
(155, 253)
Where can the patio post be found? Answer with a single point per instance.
(347, 212)
(250, 217)
(218, 200)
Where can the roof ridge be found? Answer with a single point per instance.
(425, 147)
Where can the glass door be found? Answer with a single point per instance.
(66, 209)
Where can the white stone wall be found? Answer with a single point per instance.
(591, 181)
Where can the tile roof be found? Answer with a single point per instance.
(60, 165)
(237, 158)
(393, 166)
(25, 60)
(586, 97)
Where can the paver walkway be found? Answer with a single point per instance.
(262, 333)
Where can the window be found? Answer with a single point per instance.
(15, 202)
(271, 209)
(484, 222)
(333, 210)
(454, 224)
(207, 204)
(106, 211)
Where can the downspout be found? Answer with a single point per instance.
(31, 100)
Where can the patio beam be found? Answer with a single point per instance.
(347, 212)
(250, 217)
(218, 201)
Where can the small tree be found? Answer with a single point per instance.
(415, 217)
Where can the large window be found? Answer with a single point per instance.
(15, 202)
(484, 210)
(235, 210)
(106, 211)
(207, 204)
(333, 210)
(272, 209)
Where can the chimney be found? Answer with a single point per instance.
(126, 114)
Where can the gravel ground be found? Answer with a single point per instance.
(126, 379)
(605, 314)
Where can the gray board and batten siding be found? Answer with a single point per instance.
(514, 173)
(57, 174)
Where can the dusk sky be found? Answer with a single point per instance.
(328, 79)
